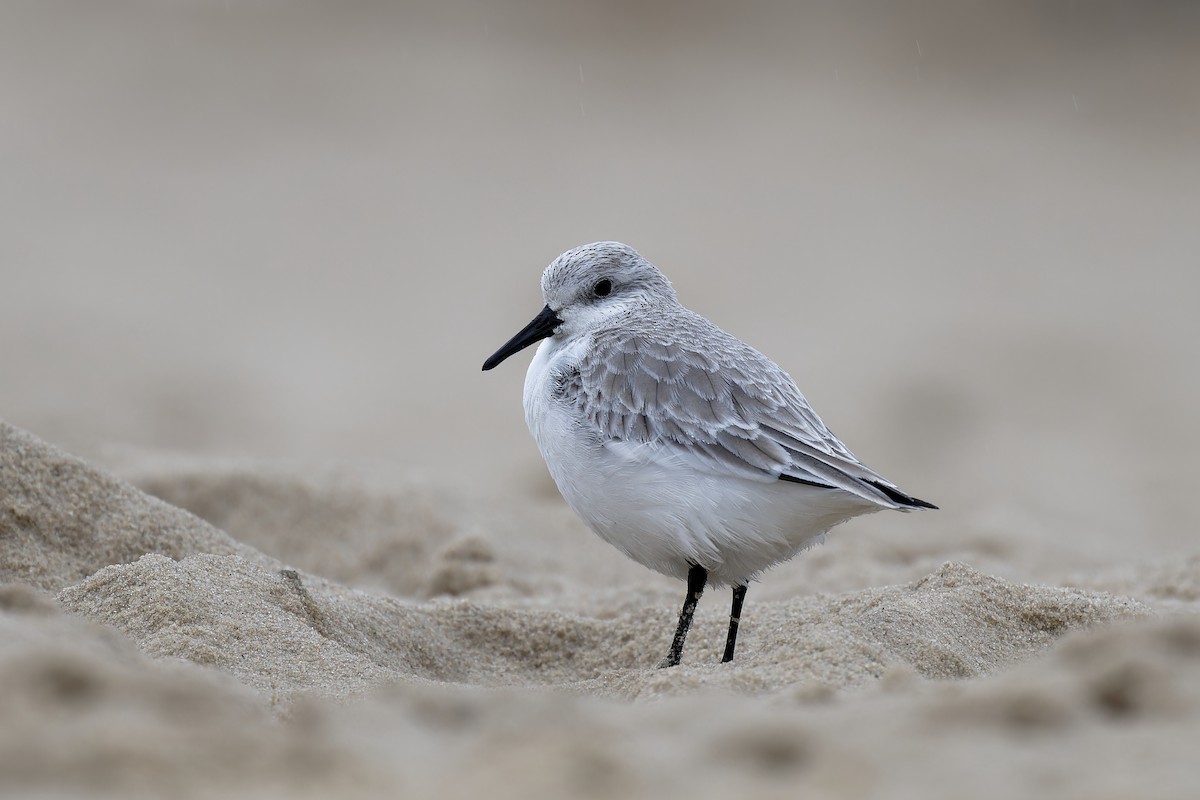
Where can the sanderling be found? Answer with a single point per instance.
(682, 446)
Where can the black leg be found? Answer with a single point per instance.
(697, 577)
(735, 614)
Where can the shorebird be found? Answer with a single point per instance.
(679, 444)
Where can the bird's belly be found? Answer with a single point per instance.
(667, 515)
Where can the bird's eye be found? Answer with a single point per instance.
(602, 288)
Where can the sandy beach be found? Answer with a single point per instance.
(266, 530)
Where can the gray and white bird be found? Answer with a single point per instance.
(679, 444)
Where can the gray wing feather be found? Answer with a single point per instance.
(727, 405)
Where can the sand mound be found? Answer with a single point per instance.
(1123, 675)
(1057, 726)
(329, 524)
(284, 633)
(61, 519)
(86, 714)
(1110, 712)
(216, 663)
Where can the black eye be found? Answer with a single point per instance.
(602, 288)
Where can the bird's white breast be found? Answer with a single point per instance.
(656, 505)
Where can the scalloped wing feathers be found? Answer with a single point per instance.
(729, 405)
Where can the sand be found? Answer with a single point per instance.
(266, 530)
(193, 664)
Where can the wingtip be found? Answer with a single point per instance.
(904, 501)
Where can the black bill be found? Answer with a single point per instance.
(543, 325)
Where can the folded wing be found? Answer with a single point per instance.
(726, 409)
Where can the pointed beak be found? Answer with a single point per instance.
(543, 325)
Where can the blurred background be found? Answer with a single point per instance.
(294, 230)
